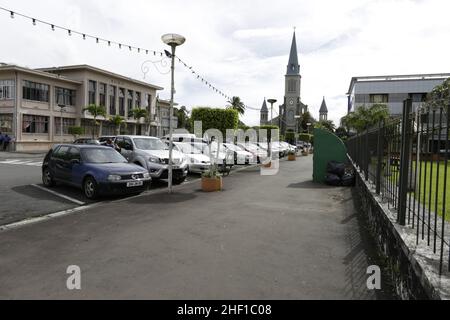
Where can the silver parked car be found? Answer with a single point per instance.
(153, 154)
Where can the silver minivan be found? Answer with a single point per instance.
(153, 154)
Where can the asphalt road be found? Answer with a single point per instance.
(22, 195)
(277, 237)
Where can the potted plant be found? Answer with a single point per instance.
(291, 156)
(305, 153)
(212, 181)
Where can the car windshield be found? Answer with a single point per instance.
(186, 148)
(102, 155)
(150, 144)
(233, 147)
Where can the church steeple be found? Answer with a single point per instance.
(264, 114)
(293, 67)
(323, 112)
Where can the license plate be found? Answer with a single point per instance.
(135, 184)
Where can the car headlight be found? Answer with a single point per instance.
(154, 159)
(146, 175)
(193, 160)
(114, 178)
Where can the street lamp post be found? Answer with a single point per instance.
(62, 122)
(172, 40)
(271, 101)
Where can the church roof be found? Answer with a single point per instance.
(323, 107)
(293, 67)
(264, 107)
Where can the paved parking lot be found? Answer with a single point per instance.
(277, 237)
(22, 195)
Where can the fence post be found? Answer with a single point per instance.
(380, 150)
(404, 161)
(366, 156)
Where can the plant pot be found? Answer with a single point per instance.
(305, 154)
(292, 157)
(212, 184)
(311, 152)
(268, 165)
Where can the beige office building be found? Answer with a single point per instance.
(33, 102)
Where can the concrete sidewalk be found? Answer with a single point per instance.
(280, 237)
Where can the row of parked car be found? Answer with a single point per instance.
(127, 164)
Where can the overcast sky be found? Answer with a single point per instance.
(241, 47)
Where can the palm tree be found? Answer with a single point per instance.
(236, 104)
(96, 111)
(117, 121)
(139, 113)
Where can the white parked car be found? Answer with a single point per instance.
(258, 153)
(197, 161)
(225, 158)
(241, 156)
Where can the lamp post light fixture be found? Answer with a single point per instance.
(173, 40)
(62, 107)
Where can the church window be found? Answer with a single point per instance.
(292, 84)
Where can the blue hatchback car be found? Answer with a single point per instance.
(97, 170)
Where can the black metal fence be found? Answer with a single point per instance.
(406, 160)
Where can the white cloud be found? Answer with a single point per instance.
(241, 47)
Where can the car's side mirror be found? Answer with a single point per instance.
(75, 161)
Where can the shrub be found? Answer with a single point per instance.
(221, 119)
(76, 131)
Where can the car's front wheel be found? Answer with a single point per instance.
(179, 180)
(47, 178)
(90, 188)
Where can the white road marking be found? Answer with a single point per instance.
(27, 222)
(31, 162)
(59, 195)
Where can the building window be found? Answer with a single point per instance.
(67, 123)
(34, 124)
(102, 94)
(92, 92)
(112, 100)
(138, 100)
(130, 103)
(418, 97)
(379, 98)
(292, 84)
(148, 104)
(65, 97)
(6, 121)
(122, 102)
(88, 127)
(35, 91)
(7, 89)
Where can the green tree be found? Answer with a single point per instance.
(220, 119)
(326, 124)
(117, 121)
(183, 118)
(236, 104)
(440, 95)
(305, 119)
(342, 133)
(365, 117)
(96, 111)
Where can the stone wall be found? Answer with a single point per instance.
(411, 268)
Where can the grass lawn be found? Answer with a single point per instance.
(425, 188)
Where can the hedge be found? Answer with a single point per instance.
(221, 119)
(305, 137)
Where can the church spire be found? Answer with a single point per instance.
(293, 67)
